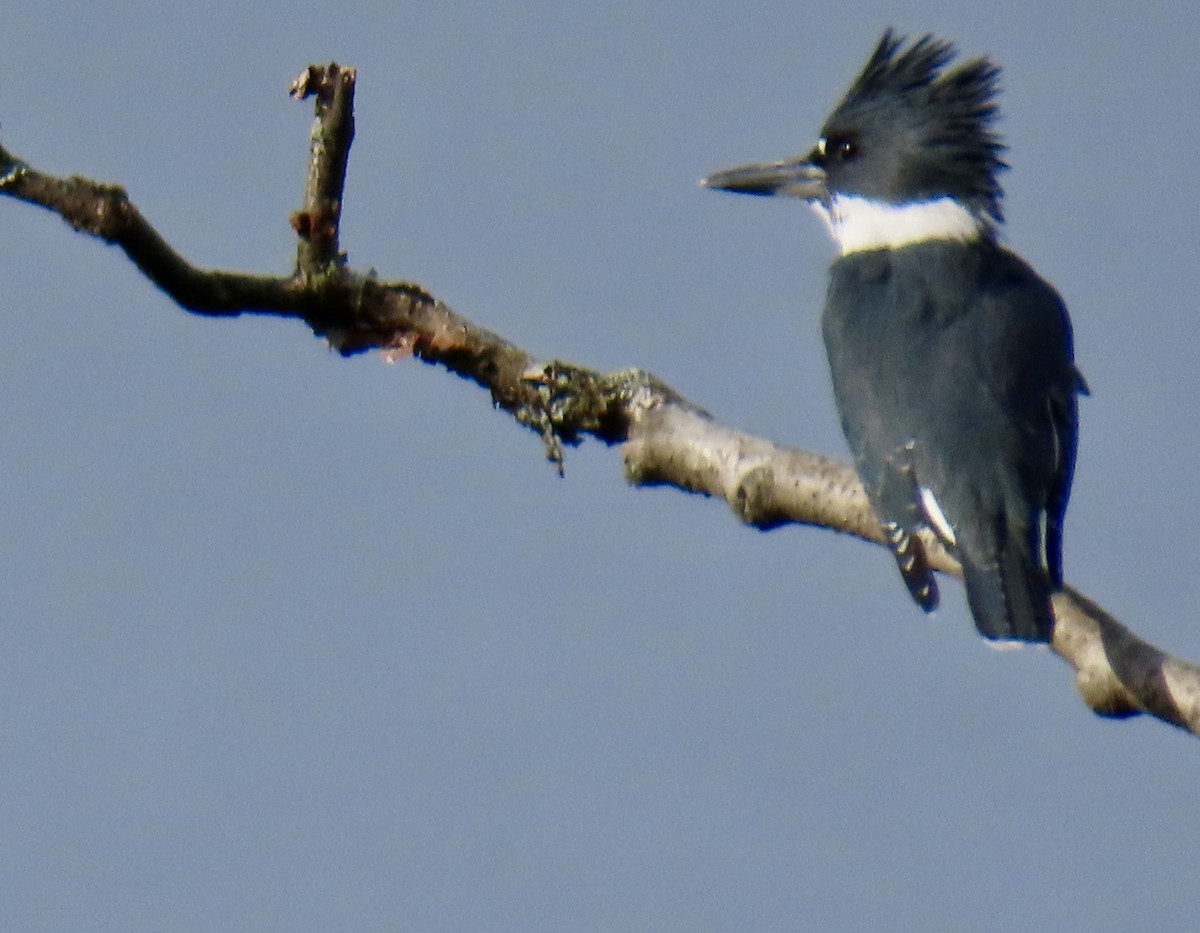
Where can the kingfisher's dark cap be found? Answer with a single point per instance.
(918, 128)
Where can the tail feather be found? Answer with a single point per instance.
(1007, 589)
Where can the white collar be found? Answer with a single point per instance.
(859, 224)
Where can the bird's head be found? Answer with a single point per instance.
(909, 154)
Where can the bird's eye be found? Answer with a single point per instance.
(841, 149)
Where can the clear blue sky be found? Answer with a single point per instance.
(289, 642)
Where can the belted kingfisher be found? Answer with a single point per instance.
(952, 360)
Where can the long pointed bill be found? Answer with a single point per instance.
(796, 178)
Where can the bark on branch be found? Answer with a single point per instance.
(666, 439)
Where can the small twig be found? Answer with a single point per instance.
(317, 222)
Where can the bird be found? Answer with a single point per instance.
(952, 360)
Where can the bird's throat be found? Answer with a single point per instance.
(860, 224)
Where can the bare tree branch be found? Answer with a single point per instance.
(666, 439)
(318, 221)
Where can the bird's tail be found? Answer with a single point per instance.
(1007, 589)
